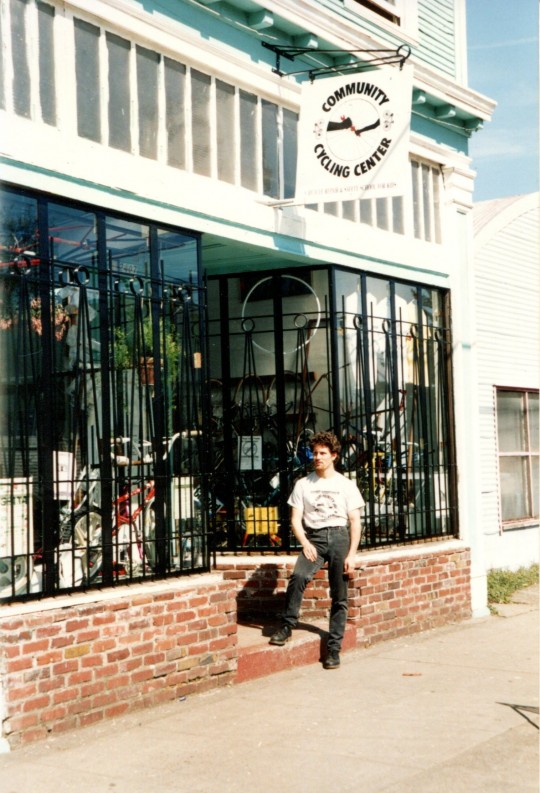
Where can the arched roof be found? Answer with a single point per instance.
(489, 217)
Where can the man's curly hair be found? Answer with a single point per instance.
(327, 439)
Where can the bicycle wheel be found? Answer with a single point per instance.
(15, 575)
(87, 541)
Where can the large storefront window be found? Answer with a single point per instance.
(366, 357)
(100, 399)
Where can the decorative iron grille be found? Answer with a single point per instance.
(330, 349)
(101, 447)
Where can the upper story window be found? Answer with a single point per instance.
(403, 13)
(388, 9)
(517, 436)
(148, 104)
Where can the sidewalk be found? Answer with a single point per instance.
(453, 710)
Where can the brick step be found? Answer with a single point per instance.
(257, 658)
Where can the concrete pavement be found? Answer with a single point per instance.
(450, 710)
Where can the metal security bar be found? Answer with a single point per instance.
(329, 349)
(102, 462)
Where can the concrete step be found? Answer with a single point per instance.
(307, 645)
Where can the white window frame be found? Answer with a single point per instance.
(527, 454)
(406, 12)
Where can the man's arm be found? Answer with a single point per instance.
(355, 528)
(310, 552)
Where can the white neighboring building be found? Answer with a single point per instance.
(506, 277)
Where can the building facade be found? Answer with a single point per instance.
(506, 259)
(175, 325)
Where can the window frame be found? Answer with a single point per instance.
(404, 13)
(527, 455)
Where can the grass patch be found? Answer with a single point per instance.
(503, 583)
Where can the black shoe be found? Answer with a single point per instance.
(332, 660)
(281, 636)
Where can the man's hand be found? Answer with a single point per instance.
(349, 565)
(310, 552)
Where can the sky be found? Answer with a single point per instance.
(503, 64)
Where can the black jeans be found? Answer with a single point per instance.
(332, 546)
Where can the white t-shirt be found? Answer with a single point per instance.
(325, 502)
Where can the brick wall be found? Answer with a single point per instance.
(393, 593)
(79, 660)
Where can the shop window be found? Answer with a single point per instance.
(373, 366)
(517, 434)
(100, 399)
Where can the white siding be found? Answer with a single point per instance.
(507, 294)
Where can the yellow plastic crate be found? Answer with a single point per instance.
(260, 522)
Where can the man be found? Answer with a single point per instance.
(325, 519)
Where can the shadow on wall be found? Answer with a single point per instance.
(262, 597)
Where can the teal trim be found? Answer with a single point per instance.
(442, 132)
(284, 245)
(227, 28)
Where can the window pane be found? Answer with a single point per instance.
(348, 210)
(510, 421)
(535, 484)
(290, 135)
(366, 211)
(270, 146)
(225, 131)
(21, 72)
(178, 257)
(427, 201)
(514, 488)
(175, 81)
(128, 247)
(416, 199)
(119, 105)
(533, 422)
(147, 95)
(436, 199)
(72, 234)
(248, 140)
(200, 130)
(18, 226)
(382, 212)
(47, 90)
(87, 80)
(2, 93)
(397, 215)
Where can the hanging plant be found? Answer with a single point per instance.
(60, 319)
(9, 315)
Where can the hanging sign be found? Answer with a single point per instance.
(353, 136)
(250, 452)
